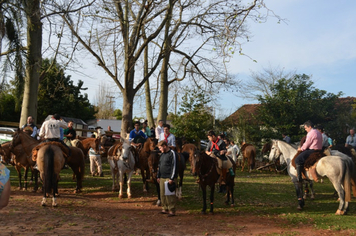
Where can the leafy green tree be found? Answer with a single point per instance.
(7, 107)
(118, 114)
(194, 118)
(294, 101)
(58, 94)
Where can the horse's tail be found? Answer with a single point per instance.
(49, 169)
(353, 177)
(347, 181)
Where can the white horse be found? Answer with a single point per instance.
(339, 170)
(123, 162)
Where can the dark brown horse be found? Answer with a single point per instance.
(153, 160)
(249, 154)
(204, 167)
(86, 144)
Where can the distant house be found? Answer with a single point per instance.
(248, 112)
(104, 123)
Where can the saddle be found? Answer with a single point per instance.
(39, 146)
(310, 164)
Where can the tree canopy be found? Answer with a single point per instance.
(194, 118)
(58, 94)
(294, 101)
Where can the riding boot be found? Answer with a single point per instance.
(223, 176)
(299, 173)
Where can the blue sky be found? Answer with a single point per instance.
(318, 39)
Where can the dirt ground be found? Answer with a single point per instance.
(100, 213)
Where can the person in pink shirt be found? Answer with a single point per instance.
(313, 142)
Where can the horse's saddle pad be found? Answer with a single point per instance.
(39, 146)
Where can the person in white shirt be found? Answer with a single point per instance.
(159, 129)
(168, 137)
(50, 129)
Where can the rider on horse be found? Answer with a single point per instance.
(168, 137)
(30, 127)
(50, 130)
(217, 149)
(313, 143)
(137, 138)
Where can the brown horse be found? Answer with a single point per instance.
(205, 167)
(144, 153)
(75, 161)
(249, 154)
(86, 144)
(50, 161)
(18, 158)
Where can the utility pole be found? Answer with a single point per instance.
(111, 109)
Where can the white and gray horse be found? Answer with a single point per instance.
(123, 162)
(339, 170)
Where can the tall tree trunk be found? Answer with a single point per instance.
(163, 100)
(34, 60)
(149, 112)
(128, 96)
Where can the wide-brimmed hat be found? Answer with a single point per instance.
(98, 127)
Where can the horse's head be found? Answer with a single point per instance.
(96, 145)
(275, 151)
(195, 162)
(5, 153)
(16, 138)
(125, 151)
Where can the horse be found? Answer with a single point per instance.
(339, 170)
(86, 144)
(50, 161)
(249, 154)
(75, 161)
(17, 157)
(205, 167)
(123, 162)
(143, 154)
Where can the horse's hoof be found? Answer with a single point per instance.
(299, 208)
(43, 204)
(339, 213)
(158, 203)
(54, 205)
(145, 190)
(120, 196)
(312, 197)
(129, 196)
(232, 205)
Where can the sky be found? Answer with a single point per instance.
(317, 39)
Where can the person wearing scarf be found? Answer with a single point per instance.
(168, 137)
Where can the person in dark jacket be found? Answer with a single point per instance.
(167, 172)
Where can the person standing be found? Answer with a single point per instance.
(30, 127)
(95, 160)
(351, 139)
(159, 129)
(69, 134)
(167, 171)
(168, 137)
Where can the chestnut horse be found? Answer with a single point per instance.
(75, 161)
(249, 154)
(18, 158)
(50, 161)
(144, 153)
(205, 167)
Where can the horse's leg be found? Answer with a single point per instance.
(121, 182)
(212, 189)
(179, 192)
(203, 188)
(232, 195)
(129, 185)
(18, 169)
(306, 190)
(299, 191)
(148, 176)
(243, 164)
(143, 179)
(312, 192)
(43, 203)
(25, 177)
(341, 193)
(158, 193)
(55, 190)
(35, 173)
